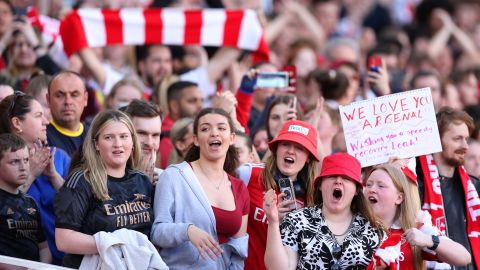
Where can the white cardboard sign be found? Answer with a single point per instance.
(402, 125)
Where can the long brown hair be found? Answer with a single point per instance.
(407, 211)
(306, 175)
(231, 160)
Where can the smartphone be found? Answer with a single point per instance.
(374, 63)
(286, 187)
(273, 79)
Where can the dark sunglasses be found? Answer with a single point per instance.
(16, 95)
(337, 253)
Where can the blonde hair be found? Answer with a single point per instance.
(306, 175)
(407, 211)
(160, 95)
(92, 164)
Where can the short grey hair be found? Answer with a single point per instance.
(340, 41)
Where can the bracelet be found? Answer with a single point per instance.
(435, 241)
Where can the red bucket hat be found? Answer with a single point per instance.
(341, 164)
(299, 132)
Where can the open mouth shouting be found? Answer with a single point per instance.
(372, 200)
(337, 193)
(289, 160)
(215, 144)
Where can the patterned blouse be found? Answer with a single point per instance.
(305, 231)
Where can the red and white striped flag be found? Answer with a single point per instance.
(169, 26)
(49, 27)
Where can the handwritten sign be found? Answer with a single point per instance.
(402, 125)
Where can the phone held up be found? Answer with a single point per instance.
(286, 187)
(272, 79)
(374, 63)
(285, 79)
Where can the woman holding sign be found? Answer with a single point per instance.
(294, 160)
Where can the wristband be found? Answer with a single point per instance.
(435, 241)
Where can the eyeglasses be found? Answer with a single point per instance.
(337, 253)
(16, 95)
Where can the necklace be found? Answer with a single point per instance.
(217, 187)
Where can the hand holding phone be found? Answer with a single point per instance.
(378, 78)
(375, 63)
(286, 187)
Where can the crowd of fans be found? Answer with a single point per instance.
(181, 147)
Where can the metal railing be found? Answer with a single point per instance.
(30, 265)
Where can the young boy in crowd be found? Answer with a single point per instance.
(21, 234)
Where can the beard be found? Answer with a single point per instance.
(455, 160)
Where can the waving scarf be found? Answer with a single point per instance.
(91, 27)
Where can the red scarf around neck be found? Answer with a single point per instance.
(433, 202)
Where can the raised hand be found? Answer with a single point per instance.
(270, 207)
(292, 110)
(39, 157)
(147, 166)
(225, 100)
(380, 81)
(50, 170)
(284, 206)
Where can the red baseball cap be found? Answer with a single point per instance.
(299, 132)
(341, 164)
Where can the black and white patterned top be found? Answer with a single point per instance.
(306, 232)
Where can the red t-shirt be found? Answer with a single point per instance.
(166, 145)
(229, 222)
(257, 220)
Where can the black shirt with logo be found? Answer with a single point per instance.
(20, 226)
(130, 206)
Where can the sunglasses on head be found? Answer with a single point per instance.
(337, 253)
(16, 95)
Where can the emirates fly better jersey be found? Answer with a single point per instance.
(130, 207)
(20, 226)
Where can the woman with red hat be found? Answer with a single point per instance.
(337, 231)
(412, 237)
(295, 158)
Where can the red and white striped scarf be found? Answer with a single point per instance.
(49, 27)
(169, 26)
(433, 202)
